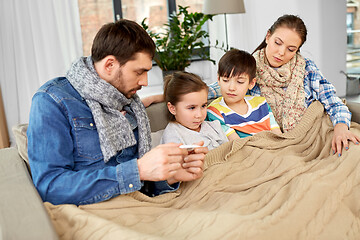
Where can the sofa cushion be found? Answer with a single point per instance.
(21, 140)
(157, 114)
(23, 215)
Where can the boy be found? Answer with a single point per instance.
(240, 115)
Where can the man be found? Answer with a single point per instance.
(89, 135)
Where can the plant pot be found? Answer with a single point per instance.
(352, 86)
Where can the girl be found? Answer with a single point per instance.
(186, 97)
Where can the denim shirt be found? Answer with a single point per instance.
(64, 152)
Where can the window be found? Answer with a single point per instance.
(156, 11)
(95, 13)
(194, 5)
(349, 28)
(353, 38)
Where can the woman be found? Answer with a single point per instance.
(290, 82)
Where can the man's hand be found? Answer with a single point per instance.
(192, 167)
(162, 162)
(341, 137)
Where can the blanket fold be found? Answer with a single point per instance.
(261, 187)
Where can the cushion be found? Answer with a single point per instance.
(157, 114)
(21, 140)
(23, 215)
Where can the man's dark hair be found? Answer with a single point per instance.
(122, 39)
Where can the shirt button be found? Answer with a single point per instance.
(131, 186)
(91, 124)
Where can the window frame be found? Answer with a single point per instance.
(118, 14)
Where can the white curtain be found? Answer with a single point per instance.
(39, 39)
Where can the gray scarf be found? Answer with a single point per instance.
(106, 102)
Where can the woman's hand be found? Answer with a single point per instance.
(341, 137)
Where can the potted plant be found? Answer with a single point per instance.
(182, 38)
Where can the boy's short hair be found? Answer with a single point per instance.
(122, 39)
(236, 62)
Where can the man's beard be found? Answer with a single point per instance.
(129, 93)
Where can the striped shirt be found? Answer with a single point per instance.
(259, 116)
(316, 87)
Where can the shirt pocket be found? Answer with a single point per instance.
(87, 138)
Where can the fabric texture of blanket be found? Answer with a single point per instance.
(261, 187)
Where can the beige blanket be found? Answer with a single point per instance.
(260, 187)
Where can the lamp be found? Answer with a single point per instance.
(223, 7)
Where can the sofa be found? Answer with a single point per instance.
(23, 215)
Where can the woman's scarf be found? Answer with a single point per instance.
(283, 88)
(106, 102)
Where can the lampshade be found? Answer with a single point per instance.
(223, 6)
